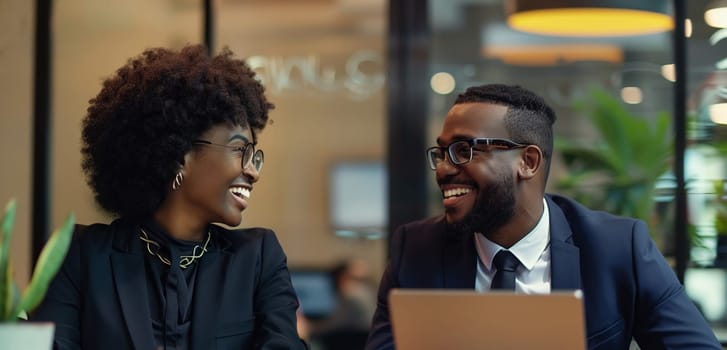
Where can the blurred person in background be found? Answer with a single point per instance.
(348, 326)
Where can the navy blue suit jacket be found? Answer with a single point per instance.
(629, 289)
(243, 296)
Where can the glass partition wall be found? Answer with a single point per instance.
(324, 67)
(603, 90)
(582, 78)
(705, 164)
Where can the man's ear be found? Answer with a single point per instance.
(531, 160)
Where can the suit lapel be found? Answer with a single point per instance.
(129, 274)
(459, 260)
(564, 255)
(565, 266)
(208, 293)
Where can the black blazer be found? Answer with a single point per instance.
(629, 289)
(243, 296)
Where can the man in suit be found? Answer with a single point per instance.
(491, 164)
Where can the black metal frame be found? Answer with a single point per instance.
(41, 126)
(407, 110)
(208, 25)
(680, 139)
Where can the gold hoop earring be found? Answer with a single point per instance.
(177, 183)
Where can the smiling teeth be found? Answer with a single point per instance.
(241, 192)
(456, 192)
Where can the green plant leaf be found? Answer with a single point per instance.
(6, 278)
(593, 159)
(618, 171)
(49, 262)
(13, 301)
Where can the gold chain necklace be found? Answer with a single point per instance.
(184, 260)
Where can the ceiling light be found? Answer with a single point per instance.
(442, 83)
(716, 14)
(668, 72)
(631, 95)
(718, 113)
(589, 18)
(550, 55)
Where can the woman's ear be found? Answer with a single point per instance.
(185, 160)
(181, 172)
(531, 160)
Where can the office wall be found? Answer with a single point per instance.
(16, 116)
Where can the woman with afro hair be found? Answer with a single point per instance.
(169, 148)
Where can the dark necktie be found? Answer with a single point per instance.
(506, 264)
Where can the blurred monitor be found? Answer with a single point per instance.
(316, 292)
(358, 202)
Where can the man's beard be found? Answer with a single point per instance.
(494, 207)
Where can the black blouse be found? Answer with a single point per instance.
(170, 288)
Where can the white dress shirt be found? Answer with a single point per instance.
(533, 251)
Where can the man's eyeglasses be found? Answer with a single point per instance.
(460, 152)
(248, 152)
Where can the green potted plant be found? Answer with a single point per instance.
(13, 303)
(619, 171)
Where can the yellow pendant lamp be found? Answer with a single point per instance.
(589, 18)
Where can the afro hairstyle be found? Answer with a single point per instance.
(147, 115)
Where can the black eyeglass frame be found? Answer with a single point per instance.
(249, 153)
(498, 144)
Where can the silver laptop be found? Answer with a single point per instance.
(465, 319)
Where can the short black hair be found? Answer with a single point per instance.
(529, 119)
(147, 115)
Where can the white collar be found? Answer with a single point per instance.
(528, 249)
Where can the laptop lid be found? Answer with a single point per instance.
(465, 319)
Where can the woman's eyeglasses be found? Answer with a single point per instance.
(250, 156)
